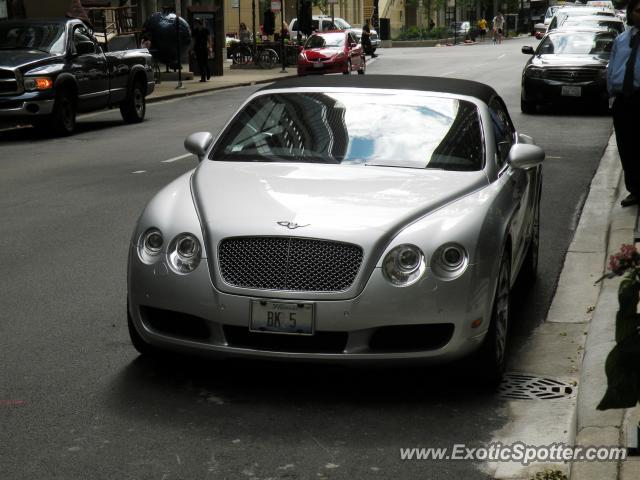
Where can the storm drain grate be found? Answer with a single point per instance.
(529, 387)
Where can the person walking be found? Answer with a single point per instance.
(366, 40)
(623, 84)
(482, 26)
(202, 48)
(498, 28)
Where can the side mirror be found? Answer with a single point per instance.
(198, 143)
(82, 48)
(527, 49)
(524, 155)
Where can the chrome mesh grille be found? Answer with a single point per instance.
(289, 263)
(571, 75)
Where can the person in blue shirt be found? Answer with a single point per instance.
(623, 84)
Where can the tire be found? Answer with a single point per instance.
(363, 70)
(491, 358)
(138, 342)
(134, 107)
(348, 70)
(529, 271)
(62, 121)
(527, 106)
(242, 55)
(267, 58)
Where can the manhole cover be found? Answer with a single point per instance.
(530, 387)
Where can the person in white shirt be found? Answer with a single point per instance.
(498, 26)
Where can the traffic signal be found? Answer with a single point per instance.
(305, 20)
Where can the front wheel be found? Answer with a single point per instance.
(529, 270)
(491, 358)
(134, 107)
(268, 58)
(62, 120)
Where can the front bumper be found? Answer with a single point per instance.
(428, 323)
(545, 91)
(31, 104)
(309, 68)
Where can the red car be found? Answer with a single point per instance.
(336, 51)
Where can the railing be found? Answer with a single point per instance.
(109, 22)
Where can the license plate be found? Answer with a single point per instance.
(281, 317)
(571, 91)
(317, 64)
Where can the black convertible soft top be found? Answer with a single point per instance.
(392, 82)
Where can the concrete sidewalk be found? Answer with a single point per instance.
(611, 427)
(231, 78)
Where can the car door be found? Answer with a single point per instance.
(519, 180)
(355, 50)
(89, 69)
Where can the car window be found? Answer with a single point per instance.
(503, 130)
(400, 130)
(325, 40)
(38, 36)
(341, 24)
(577, 43)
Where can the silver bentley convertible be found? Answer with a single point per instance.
(343, 219)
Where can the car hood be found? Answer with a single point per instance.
(315, 53)
(354, 204)
(22, 58)
(569, 61)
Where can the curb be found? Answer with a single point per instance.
(602, 428)
(188, 93)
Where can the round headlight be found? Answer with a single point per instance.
(533, 72)
(184, 253)
(450, 261)
(404, 265)
(150, 246)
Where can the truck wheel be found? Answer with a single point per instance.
(134, 106)
(62, 120)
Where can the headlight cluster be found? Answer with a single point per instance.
(450, 261)
(534, 72)
(404, 265)
(37, 83)
(183, 253)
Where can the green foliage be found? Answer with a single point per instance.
(322, 5)
(550, 475)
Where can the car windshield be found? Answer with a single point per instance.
(393, 130)
(47, 37)
(341, 24)
(326, 40)
(588, 21)
(577, 43)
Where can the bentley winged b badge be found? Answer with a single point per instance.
(291, 225)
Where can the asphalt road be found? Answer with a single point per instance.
(76, 401)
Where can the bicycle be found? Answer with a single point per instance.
(264, 58)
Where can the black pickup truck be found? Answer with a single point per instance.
(51, 69)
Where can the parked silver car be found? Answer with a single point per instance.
(343, 219)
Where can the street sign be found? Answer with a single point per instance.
(276, 5)
(329, 2)
(235, 3)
